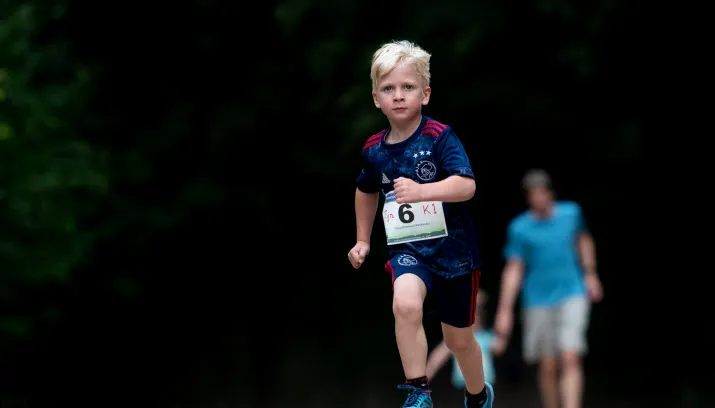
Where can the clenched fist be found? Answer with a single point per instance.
(407, 191)
(358, 254)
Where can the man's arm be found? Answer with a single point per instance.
(453, 189)
(365, 210)
(587, 252)
(513, 270)
(510, 284)
(585, 245)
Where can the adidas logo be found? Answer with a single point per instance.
(385, 180)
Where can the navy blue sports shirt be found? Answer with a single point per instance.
(431, 154)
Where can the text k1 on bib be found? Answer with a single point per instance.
(413, 221)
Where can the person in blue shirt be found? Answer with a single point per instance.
(551, 256)
(421, 169)
(487, 341)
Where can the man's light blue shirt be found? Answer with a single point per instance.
(548, 247)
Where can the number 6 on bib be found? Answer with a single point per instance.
(412, 222)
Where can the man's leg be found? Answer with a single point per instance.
(457, 304)
(548, 379)
(574, 316)
(540, 345)
(410, 285)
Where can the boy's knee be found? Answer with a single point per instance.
(460, 340)
(407, 308)
(409, 295)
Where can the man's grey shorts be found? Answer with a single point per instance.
(551, 330)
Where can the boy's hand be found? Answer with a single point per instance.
(407, 191)
(358, 254)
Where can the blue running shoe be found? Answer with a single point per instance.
(417, 398)
(490, 398)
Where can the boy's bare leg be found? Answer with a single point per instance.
(408, 299)
(468, 354)
(571, 380)
(549, 382)
(466, 350)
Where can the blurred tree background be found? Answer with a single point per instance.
(177, 190)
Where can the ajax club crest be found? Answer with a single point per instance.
(407, 260)
(426, 170)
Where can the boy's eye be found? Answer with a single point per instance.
(387, 88)
(409, 86)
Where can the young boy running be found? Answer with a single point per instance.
(423, 172)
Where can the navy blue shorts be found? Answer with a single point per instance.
(455, 299)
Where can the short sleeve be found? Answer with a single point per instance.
(452, 156)
(580, 221)
(514, 248)
(367, 181)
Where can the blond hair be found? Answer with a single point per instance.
(390, 55)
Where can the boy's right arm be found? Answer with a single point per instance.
(365, 210)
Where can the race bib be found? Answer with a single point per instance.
(412, 222)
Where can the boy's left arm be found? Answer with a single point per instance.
(450, 190)
(453, 189)
(458, 185)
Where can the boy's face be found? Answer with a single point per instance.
(400, 94)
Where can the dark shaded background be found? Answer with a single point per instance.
(177, 192)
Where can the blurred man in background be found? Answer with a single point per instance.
(551, 257)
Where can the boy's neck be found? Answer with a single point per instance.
(401, 131)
